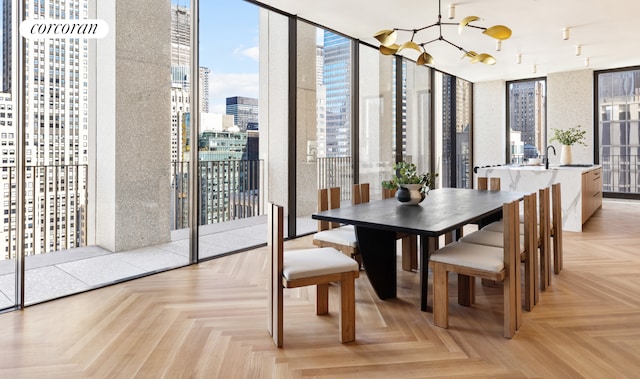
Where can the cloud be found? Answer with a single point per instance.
(223, 85)
(250, 52)
(253, 53)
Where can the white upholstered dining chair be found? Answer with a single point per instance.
(298, 268)
(528, 247)
(340, 237)
(489, 262)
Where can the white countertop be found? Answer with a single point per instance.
(542, 167)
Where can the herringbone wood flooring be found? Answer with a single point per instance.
(209, 321)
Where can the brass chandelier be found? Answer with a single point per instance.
(388, 45)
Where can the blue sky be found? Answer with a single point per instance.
(229, 32)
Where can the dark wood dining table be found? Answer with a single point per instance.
(443, 211)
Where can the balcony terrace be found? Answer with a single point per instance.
(61, 273)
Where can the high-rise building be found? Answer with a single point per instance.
(181, 78)
(204, 88)
(244, 111)
(56, 132)
(337, 81)
(180, 35)
(525, 115)
(7, 6)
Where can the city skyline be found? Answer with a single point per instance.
(232, 59)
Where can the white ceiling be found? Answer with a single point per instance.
(608, 30)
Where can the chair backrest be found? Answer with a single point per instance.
(485, 183)
(388, 193)
(275, 225)
(512, 280)
(530, 223)
(360, 193)
(328, 198)
(544, 195)
(494, 184)
(556, 201)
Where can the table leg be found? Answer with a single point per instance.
(378, 250)
(427, 246)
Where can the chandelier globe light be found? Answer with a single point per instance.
(389, 46)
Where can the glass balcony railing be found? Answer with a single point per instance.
(336, 172)
(229, 190)
(55, 209)
(621, 173)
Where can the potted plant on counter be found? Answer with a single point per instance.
(568, 138)
(411, 187)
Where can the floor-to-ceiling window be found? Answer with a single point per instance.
(323, 126)
(526, 120)
(377, 127)
(230, 173)
(416, 115)
(109, 171)
(95, 182)
(618, 128)
(453, 130)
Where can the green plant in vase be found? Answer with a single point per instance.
(407, 180)
(568, 138)
(571, 136)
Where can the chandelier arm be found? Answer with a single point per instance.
(474, 26)
(454, 45)
(433, 40)
(424, 27)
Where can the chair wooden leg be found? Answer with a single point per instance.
(347, 309)
(529, 281)
(440, 296)
(410, 252)
(510, 316)
(275, 322)
(322, 299)
(557, 251)
(517, 305)
(466, 290)
(545, 268)
(535, 271)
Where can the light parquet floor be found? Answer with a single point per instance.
(209, 321)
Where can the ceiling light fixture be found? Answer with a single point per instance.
(519, 58)
(498, 45)
(587, 62)
(388, 45)
(565, 33)
(578, 50)
(452, 11)
(535, 68)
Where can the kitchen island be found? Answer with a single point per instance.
(581, 187)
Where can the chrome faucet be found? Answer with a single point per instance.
(546, 157)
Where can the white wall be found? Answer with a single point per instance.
(569, 103)
(489, 123)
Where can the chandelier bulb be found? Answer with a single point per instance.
(519, 58)
(452, 11)
(565, 33)
(498, 45)
(535, 68)
(587, 62)
(578, 50)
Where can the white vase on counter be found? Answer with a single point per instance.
(565, 155)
